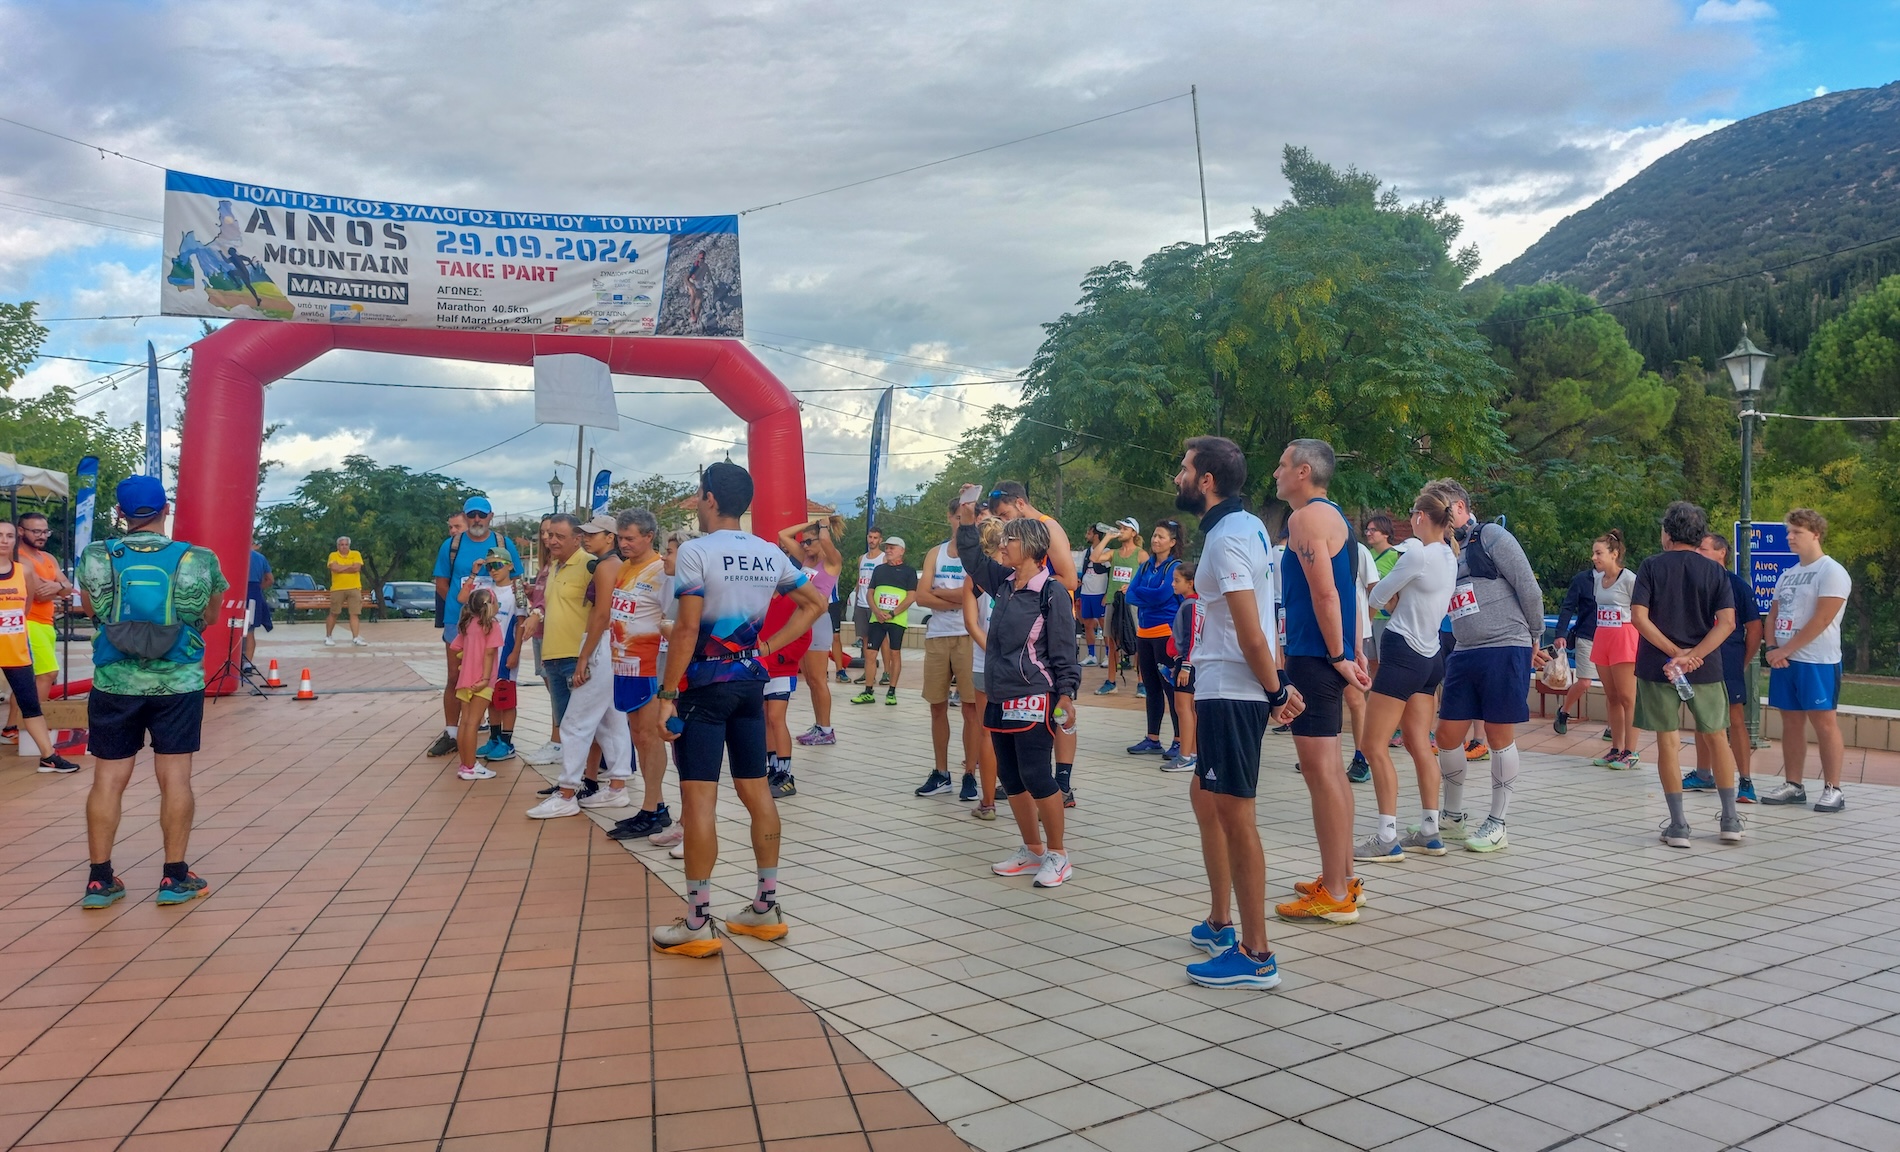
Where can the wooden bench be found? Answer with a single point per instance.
(317, 602)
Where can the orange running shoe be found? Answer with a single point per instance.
(1320, 906)
(1354, 886)
(1477, 750)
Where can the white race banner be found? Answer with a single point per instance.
(247, 251)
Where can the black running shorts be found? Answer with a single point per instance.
(1324, 692)
(1403, 673)
(1228, 734)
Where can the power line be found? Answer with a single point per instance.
(79, 220)
(101, 149)
(82, 207)
(962, 155)
(485, 451)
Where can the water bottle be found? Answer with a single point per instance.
(1063, 722)
(675, 725)
(1680, 679)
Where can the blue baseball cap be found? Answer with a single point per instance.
(141, 497)
(477, 504)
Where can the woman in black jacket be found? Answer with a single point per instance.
(1030, 676)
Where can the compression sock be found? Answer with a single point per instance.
(1428, 822)
(507, 735)
(101, 873)
(176, 871)
(767, 895)
(698, 903)
(1674, 800)
(1728, 803)
(1063, 772)
(1451, 770)
(1388, 827)
(1504, 762)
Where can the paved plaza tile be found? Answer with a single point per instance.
(394, 958)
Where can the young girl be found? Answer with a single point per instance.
(496, 572)
(1186, 633)
(1614, 649)
(478, 639)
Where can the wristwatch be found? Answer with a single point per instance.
(667, 694)
(1339, 659)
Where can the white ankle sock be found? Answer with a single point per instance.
(1388, 827)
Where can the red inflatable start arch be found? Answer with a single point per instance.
(216, 500)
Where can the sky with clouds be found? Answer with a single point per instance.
(1516, 113)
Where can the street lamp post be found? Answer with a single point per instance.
(1746, 367)
(555, 486)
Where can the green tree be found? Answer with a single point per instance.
(657, 494)
(392, 516)
(1336, 316)
(20, 340)
(48, 431)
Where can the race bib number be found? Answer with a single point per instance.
(1464, 601)
(1122, 574)
(1611, 618)
(1026, 709)
(623, 604)
(888, 601)
(13, 621)
(1784, 629)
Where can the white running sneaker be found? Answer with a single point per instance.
(359, 642)
(1055, 869)
(677, 851)
(668, 837)
(329, 641)
(1021, 864)
(476, 773)
(608, 798)
(555, 805)
(1090, 662)
(549, 753)
(1487, 837)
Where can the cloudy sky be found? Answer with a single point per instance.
(1516, 113)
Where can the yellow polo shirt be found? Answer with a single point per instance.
(344, 581)
(566, 608)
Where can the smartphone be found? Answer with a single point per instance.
(969, 494)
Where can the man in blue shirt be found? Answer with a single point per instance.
(455, 562)
(1738, 652)
(256, 590)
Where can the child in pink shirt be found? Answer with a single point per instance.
(478, 638)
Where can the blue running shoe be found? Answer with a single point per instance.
(181, 891)
(487, 750)
(1360, 770)
(1146, 747)
(1173, 752)
(1235, 969)
(968, 791)
(1745, 794)
(1211, 942)
(1697, 782)
(103, 895)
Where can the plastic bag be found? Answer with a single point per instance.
(1558, 676)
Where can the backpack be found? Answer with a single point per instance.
(1478, 562)
(145, 624)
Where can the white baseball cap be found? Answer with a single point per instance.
(894, 542)
(1130, 523)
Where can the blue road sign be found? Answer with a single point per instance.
(1769, 556)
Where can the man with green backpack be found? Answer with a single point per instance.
(149, 596)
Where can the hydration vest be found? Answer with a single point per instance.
(144, 623)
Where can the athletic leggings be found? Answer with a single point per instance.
(1151, 656)
(1025, 761)
(26, 691)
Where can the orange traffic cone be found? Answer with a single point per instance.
(273, 680)
(303, 689)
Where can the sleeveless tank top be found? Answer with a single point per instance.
(14, 651)
(1302, 626)
(824, 581)
(949, 578)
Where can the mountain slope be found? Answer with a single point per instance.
(1801, 180)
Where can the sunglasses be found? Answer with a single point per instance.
(476, 515)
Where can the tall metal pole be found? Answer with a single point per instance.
(1744, 565)
(580, 483)
(1194, 97)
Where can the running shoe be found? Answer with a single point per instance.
(1733, 828)
(10, 734)
(1675, 835)
(1355, 887)
(843, 677)
(1108, 686)
(1146, 746)
(643, 824)
(1173, 752)
(767, 925)
(1604, 760)
(672, 837)
(890, 697)
(1213, 943)
(1234, 968)
(442, 746)
(1282, 729)
(588, 788)
(1181, 764)
(182, 891)
(59, 764)
(1090, 662)
(474, 772)
(555, 806)
(865, 697)
(1623, 761)
(606, 798)
(359, 642)
(1055, 869)
(1141, 691)
(103, 895)
(883, 678)
(680, 940)
(1487, 837)
(814, 737)
(782, 784)
(1321, 907)
(549, 753)
(1477, 750)
(486, 750)
(549, 790)
(935, 785)
(1831, 800)
(984, 812)
(1373, 850)
(1068, 797)
(1360, 770)
(1423, 842)
(1696, 782)
(329, 641)
(1745, 792)
(1785, 793)
(1451, 827)
(1562, 725)
(956, 698)
(503, 751)
(1022, 863)
(1397, 741)
(967, 793)
(1606, 735)
(677, 851)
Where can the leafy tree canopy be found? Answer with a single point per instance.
(658, 495)
(393, 516)
(20, 340)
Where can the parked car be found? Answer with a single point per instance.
(409, 599)
(280, 591)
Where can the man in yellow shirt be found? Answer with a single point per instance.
(346, 591)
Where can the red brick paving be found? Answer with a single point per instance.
(389, 958)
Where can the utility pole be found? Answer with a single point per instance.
(1194, 97)
(580, 482)
(590, 481)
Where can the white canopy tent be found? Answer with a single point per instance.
(33, 483)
